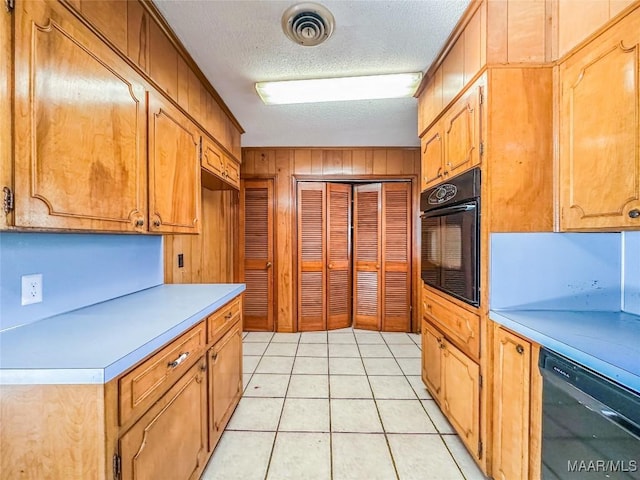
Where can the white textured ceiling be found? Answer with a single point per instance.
(239, 42)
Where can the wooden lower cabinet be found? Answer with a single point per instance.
(161, 419)
(170, 440)
(516, 408)
(461, 395)
(225, 381)
(454, 382)
(432, 360)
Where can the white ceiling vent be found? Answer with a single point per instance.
(308, 24)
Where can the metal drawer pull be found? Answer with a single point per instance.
(228, 316)
(179, 360)
(520, 349)
(635, 213)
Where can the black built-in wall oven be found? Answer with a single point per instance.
(451, 236)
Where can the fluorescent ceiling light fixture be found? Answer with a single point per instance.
(339, 89)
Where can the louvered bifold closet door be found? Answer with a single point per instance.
(258, 302)
(338, 256)
(396, 257)
(366, 256)
(311, 256)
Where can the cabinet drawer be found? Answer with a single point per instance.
(141, 387)
(222, 319)
(461, 326)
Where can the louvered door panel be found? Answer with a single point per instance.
(338, 255)
(367, 252)
(258, 302)
(396, 257)
(311, 256)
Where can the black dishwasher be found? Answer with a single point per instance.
(590, 425)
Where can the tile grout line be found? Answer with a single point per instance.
(384, 430)
(327, 372)
(284, 401)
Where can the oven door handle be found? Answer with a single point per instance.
(449, 210)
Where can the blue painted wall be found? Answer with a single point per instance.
(631, 272)
(78, 270)
(556, 271)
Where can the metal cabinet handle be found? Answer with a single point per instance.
(228, 316)
(181, 358)
(139, 223)
(429, 306)
(635, 213)
(156, 223)
(214, 356)
(520, 349)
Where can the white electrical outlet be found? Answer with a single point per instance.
(31, 289)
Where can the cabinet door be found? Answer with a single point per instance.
(432, 157)
(311, 256)
(462, 134)
(461, 395)
(232, 173)
(80, 127)
(257, 210)
(174, 169)
(512, 369)
(225, 381)
(212, 158)
(170, 440)
(432, 360)
(367, 218)
(600, 132)
(338, 256)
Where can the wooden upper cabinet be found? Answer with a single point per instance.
(461, 130)
(215, 161)
(511, 406)
(212, 158)
(432, 156)
(453, 144)
(599, 167)
(80, 127)
(232, 172)
(174, 170)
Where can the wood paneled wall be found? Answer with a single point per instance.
(286, 164)
(211, 256)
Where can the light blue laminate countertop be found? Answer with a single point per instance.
(97, 343)
(605, 342)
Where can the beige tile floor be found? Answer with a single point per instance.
(341, 405)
